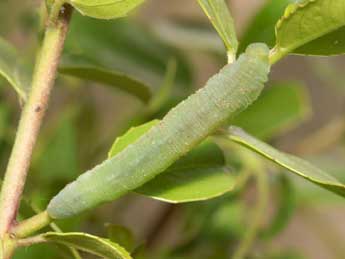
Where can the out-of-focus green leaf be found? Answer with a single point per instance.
(294, 164)
(190, 37)
(82, 68)
(262, 26)
(141, 252)
(163, 94)
(286, 205)
(121, 235)
(200, 175)
(60, 146)
(281, 254)
(126, 47)
(4, 113)
(215, 222)
(218, 13)
(317, 25)
(12, 70)
(105, 9)
(42, 251)
(278, 109)
(89, 243)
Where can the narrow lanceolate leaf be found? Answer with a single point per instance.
(227, 93)
(219, 14)
(200, 175)
(105, 9)
(11, 69)
(132, 135)
(280, 108)
(88, 243)
(312, 27)
(261, 27)
(83, 68)
(189, 36)
(290, 162)
(190, 184)
(124, 47)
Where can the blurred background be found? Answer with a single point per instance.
(171, 45)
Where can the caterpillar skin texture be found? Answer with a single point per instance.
(230, 91)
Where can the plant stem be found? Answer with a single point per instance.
(31, 119)
(31, 225)
(30, 241)
(256, 221)
(277, 54)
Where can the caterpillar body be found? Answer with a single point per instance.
(230, 91)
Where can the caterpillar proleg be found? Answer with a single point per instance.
(230, 91)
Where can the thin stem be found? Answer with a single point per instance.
(55, 11)
(31, 225)
(277, 54)
(256, 221)
(31, 119)
(30, 241)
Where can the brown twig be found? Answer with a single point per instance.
(31, 119)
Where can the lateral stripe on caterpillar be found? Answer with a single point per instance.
(230, 91)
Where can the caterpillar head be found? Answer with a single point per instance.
(258, 50)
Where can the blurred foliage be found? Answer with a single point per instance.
(71, 142)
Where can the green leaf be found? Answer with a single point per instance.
(126, 48)
(317, 23)
(105, 9)
(200, 175)
(141, 252)
(59, 145)
(89, 243)
(189, 36)
(331, 44)
(307, 193)
(80, 67)
(12, 70)
(121, 235)
(4, 120)
(130, 137)
(286, 205)
(262, 26)
(163, 95)
(219, 14)
(279, 108)
(296, 165)
(190, 184)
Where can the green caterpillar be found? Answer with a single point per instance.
(230, 91)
